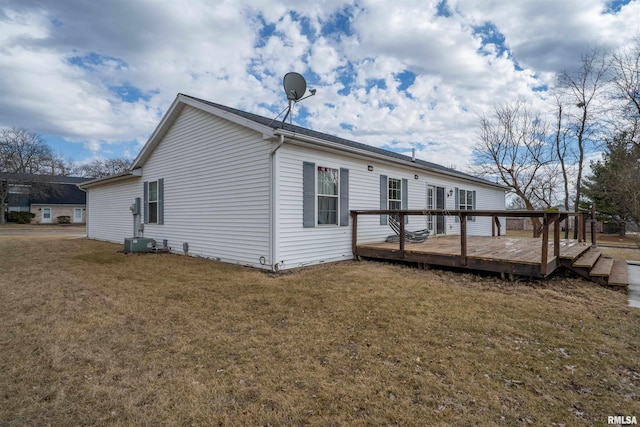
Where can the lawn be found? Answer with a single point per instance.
(91, 336)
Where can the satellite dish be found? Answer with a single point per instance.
(295, 86)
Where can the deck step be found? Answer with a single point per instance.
(619, 274)
(588, 259)
(602, 268)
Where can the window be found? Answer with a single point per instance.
(466, 200)
(153, 202)
(325, 196)
(18, 189)
(393, 195)
(328, 196)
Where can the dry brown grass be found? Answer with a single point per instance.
(91, 336)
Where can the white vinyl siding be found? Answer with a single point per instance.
(216, 189)
(214, 193)
(108, 214)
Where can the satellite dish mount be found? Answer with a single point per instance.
(295, 87)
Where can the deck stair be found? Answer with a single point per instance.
(599, 268)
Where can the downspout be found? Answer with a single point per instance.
(273, 211)
(86, 211)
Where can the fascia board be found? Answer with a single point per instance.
(131, 174)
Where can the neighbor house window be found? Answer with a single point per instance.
(328, 197)
(152, 204)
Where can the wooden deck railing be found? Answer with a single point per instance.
(548, 218)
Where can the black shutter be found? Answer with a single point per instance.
(473, 218)
(457, 203)
(405, 197)
(344, 197)
(383, 198)
(161, 201)
(145, 205)
(308, 194)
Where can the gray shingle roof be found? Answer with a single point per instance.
(275, 124)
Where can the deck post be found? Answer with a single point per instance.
(593, 225)
(556, 235)
(463, 238)
(354, 233)
(582, 237)
(401, 219)
(545, 245)
(493, 226)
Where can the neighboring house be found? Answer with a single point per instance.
(47, 197)
(221, 183)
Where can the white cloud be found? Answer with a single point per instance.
(222, 52)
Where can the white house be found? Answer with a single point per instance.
(237, 187)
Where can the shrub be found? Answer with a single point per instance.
(64, 219)
(21, 217)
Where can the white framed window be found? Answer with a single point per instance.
(325, 196)
(466, 200)
(395, 194)
(431, 203)
(152, 204)
(328, 193)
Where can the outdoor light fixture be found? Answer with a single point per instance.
(370, 168)
(415, 176)
(450, 193)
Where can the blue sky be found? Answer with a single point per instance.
(95, 78)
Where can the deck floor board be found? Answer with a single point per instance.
(507, 250)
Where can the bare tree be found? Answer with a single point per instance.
(104, 167)
(23, 154)
(585, 88)
(513, 146)
(23, 151)
(625, 70)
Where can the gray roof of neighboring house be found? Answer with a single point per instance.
(275, 124)
(48, 189)
(60, 194)
(50, 179)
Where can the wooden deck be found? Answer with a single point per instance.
(519, 256)
(533, 257)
